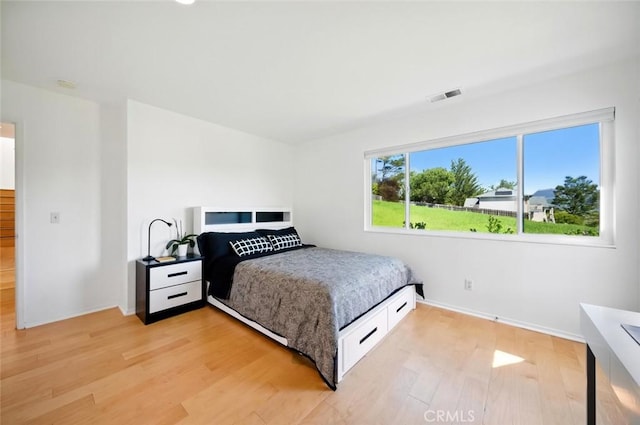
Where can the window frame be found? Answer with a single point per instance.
(605, 118)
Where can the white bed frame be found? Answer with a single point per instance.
(355, 340)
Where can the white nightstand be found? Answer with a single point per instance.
(169, 288)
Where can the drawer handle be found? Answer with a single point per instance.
(176, 274)
(401, 307)
(181, 294)
(366, 337)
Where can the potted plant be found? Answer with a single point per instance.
(182, 241)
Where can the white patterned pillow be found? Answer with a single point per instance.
(250, 246)
(284, 241)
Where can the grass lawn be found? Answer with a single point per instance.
(391, 214)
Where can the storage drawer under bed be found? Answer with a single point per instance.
(363, 338)
(360, 337)
(400, 307)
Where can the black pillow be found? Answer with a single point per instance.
(278, 232)
(213, 245)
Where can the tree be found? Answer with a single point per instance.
(431, 185)
(465, 183)
(389, 166)
(388, 177)
(504, 184)
(578, 196)
(389, 190)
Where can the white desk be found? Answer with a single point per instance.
(618, 355)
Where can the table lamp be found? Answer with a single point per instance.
(149, 257)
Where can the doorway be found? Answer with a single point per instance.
(7, 226)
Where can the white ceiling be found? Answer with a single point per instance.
(297, 71)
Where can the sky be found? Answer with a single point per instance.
(548, 158)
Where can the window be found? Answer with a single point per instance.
(549, 180)
(387, 188)
(562, 181)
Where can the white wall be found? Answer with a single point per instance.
(108, 170)
(113, 200)
(534, 284)
(637, 138)
(175, 163)
(58, 141)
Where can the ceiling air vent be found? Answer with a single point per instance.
(446, 95)
(66, 84)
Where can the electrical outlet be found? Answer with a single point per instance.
(468, 284)
(55, 217)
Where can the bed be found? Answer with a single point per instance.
(331, 306)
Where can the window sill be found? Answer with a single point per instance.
(583, 241)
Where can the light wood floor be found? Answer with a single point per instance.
(204, 367)
(7, 266)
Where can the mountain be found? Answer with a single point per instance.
(549, 194)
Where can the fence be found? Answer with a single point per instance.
(487, 211)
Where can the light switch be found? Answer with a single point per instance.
(55, 218)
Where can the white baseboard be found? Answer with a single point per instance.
(71, 316)
(126, 312)
(505, 320)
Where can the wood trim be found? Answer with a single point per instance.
(8, 130)
(7, 217)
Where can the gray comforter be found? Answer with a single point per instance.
(308, 295)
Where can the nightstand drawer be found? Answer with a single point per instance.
(174, 274)
(173, 296)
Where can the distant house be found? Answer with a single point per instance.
(471, 203)
(501, 199)
(538, 206)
